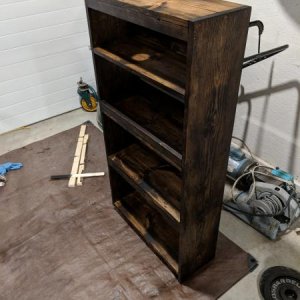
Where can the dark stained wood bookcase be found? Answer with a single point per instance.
(168, 74)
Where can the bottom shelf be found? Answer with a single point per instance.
(160, 237)
(156, 181)
(142, 165)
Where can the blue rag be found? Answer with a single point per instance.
(4, 168)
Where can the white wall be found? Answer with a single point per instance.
(43, 52)
(268, 115)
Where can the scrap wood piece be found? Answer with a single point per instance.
(82, 131)
(82, 175)
(79, 179)
(84, 147)
(74, 170)
(76, 161)
(96, 174)
(82, 159)
(78, 147)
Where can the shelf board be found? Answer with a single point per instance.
(145, 136)
(154, 244)
(156, 117)
(135, 164)
(176, 11)
(151, 61)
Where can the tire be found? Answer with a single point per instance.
(88, 108)
(280, 283)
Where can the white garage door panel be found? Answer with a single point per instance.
(30, 67)
(11, 1)
(16, 55)
(44, 50)
(36, 104)
(14, 26)
(26, 96)
(28, 8)
(8, 88)
(41, 114)
(32, 37)
(41, 102)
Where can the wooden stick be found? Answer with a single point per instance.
(82, 130)
(75, 166)
(79, 147)
(82, 175)
(96, 174)
(82, 159)
(84, 146)
(78, 180)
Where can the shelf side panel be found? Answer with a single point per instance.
(215, 54)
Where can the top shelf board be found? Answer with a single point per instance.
(167, 16)
(185, 10)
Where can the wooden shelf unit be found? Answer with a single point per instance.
(168, 75)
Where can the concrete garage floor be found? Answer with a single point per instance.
(285, 251)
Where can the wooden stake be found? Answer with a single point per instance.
(82, 159)
(84, 146)
(76, 161)
(96, 174)
(82, 131)
(72, 181)
(79, 179)
(82, 175)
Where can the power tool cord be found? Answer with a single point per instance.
(244, 145)
(253, 172)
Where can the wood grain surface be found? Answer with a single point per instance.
(61, 243)
(170, 17)
(211, 97)
(145, 136)
(144, 171)
(151, 56)
(155, 115)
